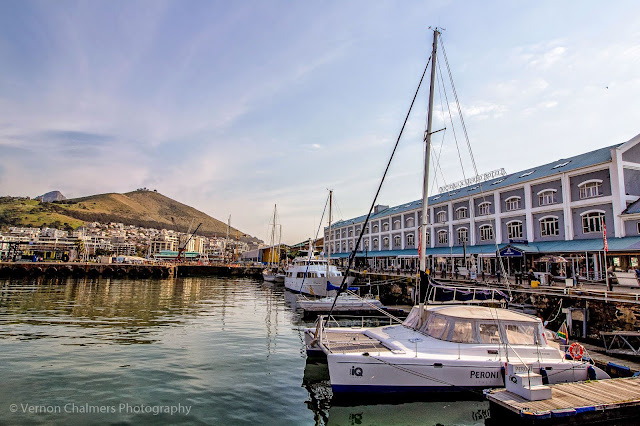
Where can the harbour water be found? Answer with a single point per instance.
(179, 351)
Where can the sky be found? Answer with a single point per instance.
(233, 107)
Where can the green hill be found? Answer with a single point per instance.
(143, 208)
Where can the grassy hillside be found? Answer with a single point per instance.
(32, 213)
(141, 208)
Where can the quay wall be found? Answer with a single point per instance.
(79, 269)
(219, 271)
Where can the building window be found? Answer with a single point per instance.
(410, 222)
(375, 243)
(512, 203)
(549, 226)
(366, 244)
(385, 242)
(592, 222)
(385, 226)
(375, 229)
(463, 235)
(546, 197)
(397, 240)
(461, 213)
(486, 233)
(344, 246)
(638, 227)
(484, 208)
(442, 216)
(344, 233)
(590, 189)
(396, 224)
(514, 229)
(350, 245)
(443, 237)
(351, 232)
(410, 240)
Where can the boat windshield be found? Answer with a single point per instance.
(466, 330)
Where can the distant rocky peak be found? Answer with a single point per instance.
(51, 196)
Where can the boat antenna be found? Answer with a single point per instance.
(352, 255)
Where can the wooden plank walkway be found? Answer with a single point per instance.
(574, 399)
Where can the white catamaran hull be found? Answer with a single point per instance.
(392, 374)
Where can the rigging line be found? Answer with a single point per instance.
(455, 94)
(366, 221)
(453, 128)
(382, 311)
(473, 162)
(312, 244)
(435, 176)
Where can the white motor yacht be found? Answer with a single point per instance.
(312, 275)
(442, 348)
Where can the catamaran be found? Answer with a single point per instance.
(454, 346)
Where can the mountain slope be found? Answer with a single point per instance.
(141, 208)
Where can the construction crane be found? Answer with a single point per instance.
(184, 247)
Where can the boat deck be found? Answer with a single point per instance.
(593, 398)
(344, 342)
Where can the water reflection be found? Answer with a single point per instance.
(233, 349)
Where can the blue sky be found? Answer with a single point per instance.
(234, 106)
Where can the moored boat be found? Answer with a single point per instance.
(442, 348)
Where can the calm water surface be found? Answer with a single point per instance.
(213, 350)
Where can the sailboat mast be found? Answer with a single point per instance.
(427, 152)
(329, 236)
(273, 235)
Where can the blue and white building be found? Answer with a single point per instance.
(557, 208)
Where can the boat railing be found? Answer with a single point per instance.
(353, 320)
(465, 295)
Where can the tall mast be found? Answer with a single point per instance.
(427, 152)
(273, 235)
(329, 236)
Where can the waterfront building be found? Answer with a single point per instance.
(165, 241)
(560, 208)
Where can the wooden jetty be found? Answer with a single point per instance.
(598, 401)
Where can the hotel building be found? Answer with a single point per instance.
(557, 208)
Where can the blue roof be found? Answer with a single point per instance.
(587, 159)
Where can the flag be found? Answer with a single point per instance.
(562, 332)
(604, 237)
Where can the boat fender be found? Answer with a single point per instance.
(365, 354)
(591, 373)
(545, 376)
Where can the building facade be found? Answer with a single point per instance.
(561, 207)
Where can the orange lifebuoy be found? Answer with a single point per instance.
(576, 350)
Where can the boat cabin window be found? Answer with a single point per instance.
(468, 330)
(489, 333)
(437, 327)
(521, 334)
(462, 332)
